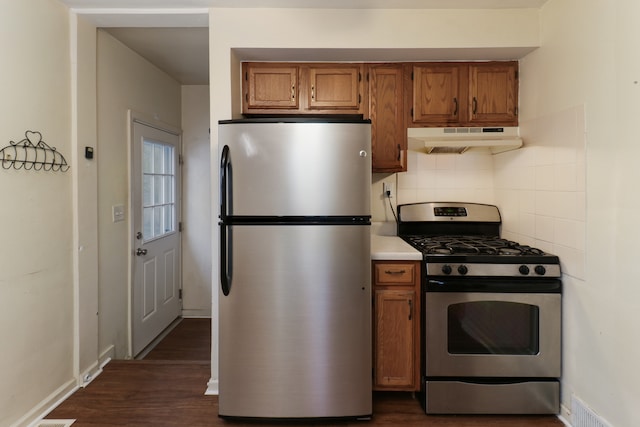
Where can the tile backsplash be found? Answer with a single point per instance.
(540, 188)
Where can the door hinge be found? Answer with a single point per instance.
(180, 159)
(179, 293)
(180, 227)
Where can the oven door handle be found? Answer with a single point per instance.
(501, 284)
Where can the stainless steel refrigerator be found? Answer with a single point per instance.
(295, 293)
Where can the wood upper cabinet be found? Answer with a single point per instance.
(334, 87)
(493, 93)
(386, 111)
(300, 88)
(465, 94)
(268, 87)
(396, 325)
(436, 93)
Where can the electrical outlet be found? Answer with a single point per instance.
(387, 189)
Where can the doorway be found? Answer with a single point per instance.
(156, 250)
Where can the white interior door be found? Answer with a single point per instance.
(155, 208)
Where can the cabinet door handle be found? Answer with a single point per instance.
(293, 92)
(475, 105)
(410, 309)
(395, 271)
(313, 93)
(455, 109)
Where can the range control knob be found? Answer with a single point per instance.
(540, 270)
(524, 270)
(446, 269)
(463, 270)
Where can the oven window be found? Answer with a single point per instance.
(493, 327)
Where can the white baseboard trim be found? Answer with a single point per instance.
(107, 355)
(90, 373)
(212, 388)
(33, 417)
(196, 313)
(564, 420)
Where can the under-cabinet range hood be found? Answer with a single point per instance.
(459, 139)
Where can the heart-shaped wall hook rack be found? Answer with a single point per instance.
(32, 153)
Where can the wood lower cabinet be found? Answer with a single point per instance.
(386, 111)
(396, 325)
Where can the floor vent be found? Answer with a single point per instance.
(55, 423)
(582, 416)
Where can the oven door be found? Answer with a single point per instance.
(487, 334)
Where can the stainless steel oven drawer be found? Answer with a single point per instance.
(457, 397)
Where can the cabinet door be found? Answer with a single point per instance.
(386, 111)
(270, 86)
(335, 87)
(436, 94)
(394, 344)
(493, 94)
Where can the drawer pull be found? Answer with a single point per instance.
(395, 271)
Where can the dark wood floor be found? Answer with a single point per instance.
(167, 389)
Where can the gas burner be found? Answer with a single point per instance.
(463, 240)
(470, 245)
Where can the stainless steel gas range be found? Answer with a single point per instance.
(492, 313)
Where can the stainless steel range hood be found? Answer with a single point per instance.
(460, 139)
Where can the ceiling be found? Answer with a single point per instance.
(173, 34)
(183, 53)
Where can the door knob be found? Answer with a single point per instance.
(141, 251)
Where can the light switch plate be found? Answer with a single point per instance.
(118, 213)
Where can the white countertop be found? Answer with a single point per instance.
(385, 245)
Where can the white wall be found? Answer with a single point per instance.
(581, 87)
(196, 203)
(125, 81)
(245, 34)
(435, 177)
(36, 248)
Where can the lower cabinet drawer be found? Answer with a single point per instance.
(400, 273)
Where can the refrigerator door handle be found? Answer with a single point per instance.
(225, 182)
(225, 234)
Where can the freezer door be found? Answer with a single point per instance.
(295, 328)
(297, 169)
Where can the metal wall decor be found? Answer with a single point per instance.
(32, 153)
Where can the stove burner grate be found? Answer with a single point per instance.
(470, 245)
